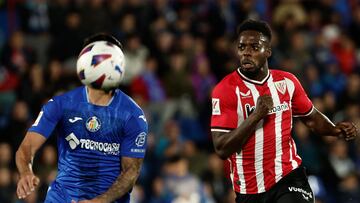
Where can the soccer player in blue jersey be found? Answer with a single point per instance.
(101, 142)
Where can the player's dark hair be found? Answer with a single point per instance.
(102, 37)
(256, 25)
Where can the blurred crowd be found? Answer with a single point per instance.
(176, 51)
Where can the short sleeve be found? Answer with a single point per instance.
(135, 136)
(300, 102)
(224, 110)
(48, 118)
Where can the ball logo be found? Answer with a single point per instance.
(93, 124)
(140, 139)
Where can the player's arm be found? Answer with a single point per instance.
(24, 161)
(129, 173)
(322, 125)
(226, 144)
(34, 138)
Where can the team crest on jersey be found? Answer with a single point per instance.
(93, 124)
(281, 86)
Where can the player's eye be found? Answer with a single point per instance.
(241, 47)
(255, 47)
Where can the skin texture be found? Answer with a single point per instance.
(24, 158)
(129, 173)
(33, 141)
(253, 52)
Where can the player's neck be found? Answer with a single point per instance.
(257, 76)
(99, 97)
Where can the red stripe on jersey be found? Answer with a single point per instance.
(246, 168)
(286, 131)
(234, 174)
(269, 143)
(251, 163)
(286, 127)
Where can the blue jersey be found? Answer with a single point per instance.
(91, 141)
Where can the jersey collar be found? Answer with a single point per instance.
(87, 96)
(254, 81)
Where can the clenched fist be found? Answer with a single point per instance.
(347, 130)
(263, 105)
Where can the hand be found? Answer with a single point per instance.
(27, 183)
(347, 130)
(263, 105)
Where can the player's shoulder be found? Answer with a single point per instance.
(126, 102)
(280, 75)
(71, 95)
(226, 83)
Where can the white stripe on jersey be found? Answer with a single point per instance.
(294, 163)
(291, 88)
(231, 173)
(239, 156)
(259, 144)
(278, 134)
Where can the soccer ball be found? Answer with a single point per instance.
(101, 65)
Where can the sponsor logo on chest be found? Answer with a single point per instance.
(278, 108)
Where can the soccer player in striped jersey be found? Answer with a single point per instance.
(251, 123)
(101, 144)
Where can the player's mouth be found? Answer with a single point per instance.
(247, 65)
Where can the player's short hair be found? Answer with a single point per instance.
(256, 25)
(102, 37)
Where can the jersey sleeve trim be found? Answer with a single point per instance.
(220, 129)
(305, 114)
(38, 132)
(132, 155)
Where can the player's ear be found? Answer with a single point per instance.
(268, 52)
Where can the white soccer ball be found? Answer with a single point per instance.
(101, 65)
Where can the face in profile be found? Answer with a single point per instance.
(253, 51)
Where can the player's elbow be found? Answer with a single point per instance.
(221, 153)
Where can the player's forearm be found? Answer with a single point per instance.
(228, 143)
(123, 183)
(26, 152)
(24, 159)
(320, 124)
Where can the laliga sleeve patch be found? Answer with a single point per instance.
(216, 106)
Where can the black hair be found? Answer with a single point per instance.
(256, 25)
(102, 37)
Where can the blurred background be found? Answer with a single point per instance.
(176, 51)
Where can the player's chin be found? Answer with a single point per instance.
(249, 71)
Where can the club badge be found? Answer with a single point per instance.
(93, 124)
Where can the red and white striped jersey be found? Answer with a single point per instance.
(270, 153)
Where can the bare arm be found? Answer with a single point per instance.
(321, 125)
(228, 143)
(24, 160)
(129, 173)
